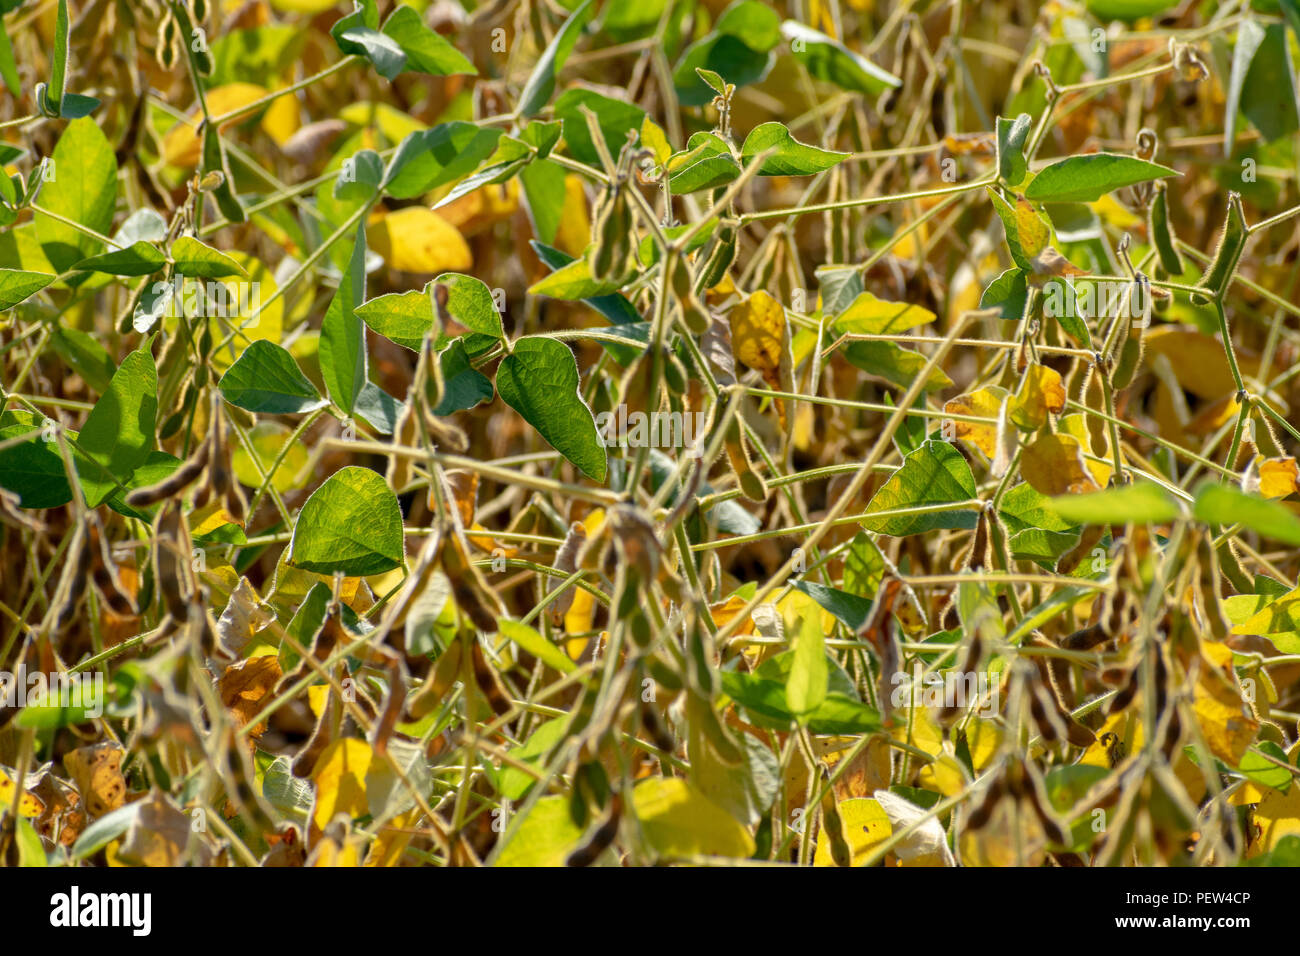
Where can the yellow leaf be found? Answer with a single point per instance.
(1054, 465)
(282, 119)
(575, 225)
(865, 825)
(29, 806)
(1278, 477)
(209, 518)
(340, 778)
(416, 239)
(304, 6)
(678, 821)
(582, 612)
(1225, 718)
(1041, 393)
(1198, 360)
(269, 440)
(545, 837)
(983, 403)
(654, 139)
(486, 206)
(97, 772)
(391, 122)
(1077, 425)
(758, 334)
(867, 314)
(1277, 816)
(181, 145)
(392, 841)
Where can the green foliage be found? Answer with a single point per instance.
(580, 433)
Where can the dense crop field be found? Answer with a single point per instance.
(544, 432)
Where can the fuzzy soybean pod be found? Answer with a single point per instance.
(752, 485)
(1232, 242)
(695, 317)
(720, 254)
(613, 238)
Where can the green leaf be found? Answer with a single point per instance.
(1143, 502)
(537, 645)
(343, 337)
(706, 163)
(828, 59)
(53, 95)
(544, 193)
(893, 363)
(1011, 148)
(8, 68)
(1128, 10)
(764, 700)
(266, 379)
(849, 609)
(1222, 505)
(864, 568)
(1087, 178)
(791, 158)
(539, 380)
(1249, 36)
(17, 285)
(541, 84)
(469, 302)
(738, 50)
(425, 50)
(84, 190)
(1026, 231)
(33, 470)
(156, 467)
(214, 161)
(31, 851)
(430, 158)
(614, 307)
(200, 261)
(378, 409)
(401, 317)
(805, 688)
(84, 355)
(463, 385)
(1265, 772)
(514, 784)
(614, 117)
(383, 52)
(119, 431)
(1008, 293)
(934, 475)
(572, 282)
(352, 523)
(137, 259)
(1268, 95)
(105, 830)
